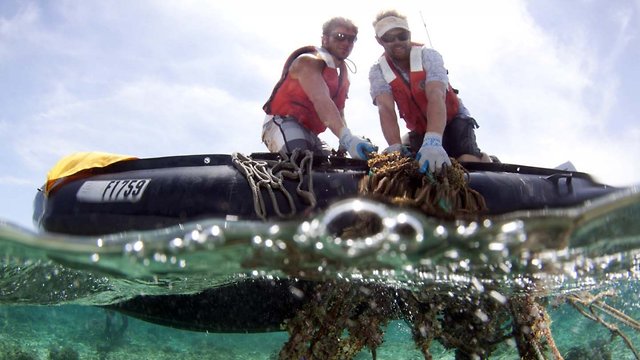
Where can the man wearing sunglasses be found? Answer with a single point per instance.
(413, 77)
(311, 95)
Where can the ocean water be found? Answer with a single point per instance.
(475, 280)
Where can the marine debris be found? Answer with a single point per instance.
(531, 327)
(318, 330)
(341, 318)
(261, 175)
(593, 307)
(395, 178)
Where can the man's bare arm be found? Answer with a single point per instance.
(437, 110)
(388, 118)
(307, 69)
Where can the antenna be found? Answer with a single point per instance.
(425, 29)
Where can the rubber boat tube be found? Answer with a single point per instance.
(172, 190)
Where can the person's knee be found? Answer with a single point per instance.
(413, 141)
(272, 137)
(474, 158)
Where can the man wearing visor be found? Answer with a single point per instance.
(413, 77)
(311, 95)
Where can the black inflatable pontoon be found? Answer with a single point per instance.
(154, 193)
(253, 305)
(159, 192)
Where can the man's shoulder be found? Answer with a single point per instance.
(429, 52)
(309, 57)
(431, 57)
(308, 61)
(375, 70)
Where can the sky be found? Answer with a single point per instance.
(547, 81)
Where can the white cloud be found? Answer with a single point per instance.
(15, 29)
(146, 118)
(14, 181)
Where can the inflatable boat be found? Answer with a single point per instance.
(95, 194)
(125, 193)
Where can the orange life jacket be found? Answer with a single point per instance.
(410, 97)
(289, 99)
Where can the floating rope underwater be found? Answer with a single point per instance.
(596, 306)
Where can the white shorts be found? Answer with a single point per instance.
(286, 134)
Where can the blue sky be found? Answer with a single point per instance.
(547, 81)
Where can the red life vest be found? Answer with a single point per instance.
(289, 99)
(410, 97)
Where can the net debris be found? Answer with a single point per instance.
(342, 318)
(395, 178)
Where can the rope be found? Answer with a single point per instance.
(261, 176)
(350, 62)
(583, 301)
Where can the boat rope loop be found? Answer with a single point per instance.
(271, 178)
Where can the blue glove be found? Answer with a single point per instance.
(357, 147)
(402, 149)
(431, 155)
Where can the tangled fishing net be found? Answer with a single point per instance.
(395, 178)
(340, 319)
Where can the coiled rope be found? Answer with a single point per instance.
(261, 176)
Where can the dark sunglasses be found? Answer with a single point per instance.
(403, 36)
(344, 37)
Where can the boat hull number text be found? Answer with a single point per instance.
(105, 191)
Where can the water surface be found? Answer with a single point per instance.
(53, 288)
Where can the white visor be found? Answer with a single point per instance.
(388, 23)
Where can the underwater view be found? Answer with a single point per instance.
(551, 283)
(156, 200)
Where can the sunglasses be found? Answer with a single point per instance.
(344, 37)
(403, 36)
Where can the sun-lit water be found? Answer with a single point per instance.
(53, 287)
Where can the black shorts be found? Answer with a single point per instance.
(459, 138)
